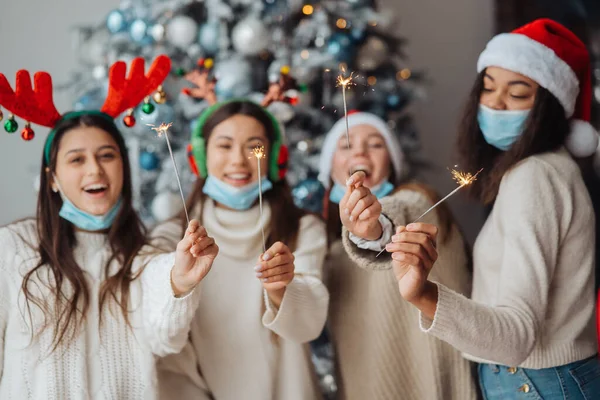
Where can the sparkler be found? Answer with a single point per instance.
(259, 153)
(344, 83)
(163, 129)
(462, 178)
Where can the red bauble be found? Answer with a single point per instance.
(27, 133)
(129, 121)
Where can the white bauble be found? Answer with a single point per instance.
(182, 31)
(166, 205)
(250, 36)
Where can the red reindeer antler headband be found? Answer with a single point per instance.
(35, 104)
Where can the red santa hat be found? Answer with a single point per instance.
(557, 60)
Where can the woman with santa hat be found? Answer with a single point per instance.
(380, 352)
(530, 323)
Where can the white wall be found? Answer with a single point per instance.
(445, 38)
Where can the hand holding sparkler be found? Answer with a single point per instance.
(163, 129)
(194, 258)
(413, 255)
(360, 209)
(275, 269)
(462, 178)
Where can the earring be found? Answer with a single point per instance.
(54, 189)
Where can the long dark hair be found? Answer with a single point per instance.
(126, 236)
(285, 215)
(545, 130)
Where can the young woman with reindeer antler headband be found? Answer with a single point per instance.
(85, 303)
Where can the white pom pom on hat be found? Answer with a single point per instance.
(554, 57)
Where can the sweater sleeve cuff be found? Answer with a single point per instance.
(363, 258)
(378, 244)
(442, 324)
(303, 310)
(172, 310)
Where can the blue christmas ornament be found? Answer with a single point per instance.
(149, 160)
(341, 47)
(208, 37)
(139, 31)
(393, 100)
(308, 195)
(116, 21)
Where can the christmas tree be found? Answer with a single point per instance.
(245, 46)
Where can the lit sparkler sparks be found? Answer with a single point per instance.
(344, 82)
(462, 178)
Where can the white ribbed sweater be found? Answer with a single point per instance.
(533, 286)
(107, 362)
(240, 346)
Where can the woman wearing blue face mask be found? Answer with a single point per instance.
(85, 303)
(531, 321)
(249, 339)
(374, 332)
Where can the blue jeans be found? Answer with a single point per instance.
(576, 381)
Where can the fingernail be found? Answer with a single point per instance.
(346, 211)
(258, 274)
(411, 226)
(266, 279)
(351, 218)
(395, 239)
(350, 181)
(257, 268)
(398, 256)
(266, 256)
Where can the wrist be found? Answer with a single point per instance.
(276, 296)
(375, 233)
(427, 301)
(179, 289)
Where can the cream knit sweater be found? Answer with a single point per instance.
(111, 361)
(381, 353)
(240, 346)
(533, 286)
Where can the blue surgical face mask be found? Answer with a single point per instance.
(89, 222)
(338, 191)
(501, 128)
(238, 198)
(84, 220)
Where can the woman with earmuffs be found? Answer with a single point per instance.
(249, 338)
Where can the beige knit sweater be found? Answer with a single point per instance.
(241, 346)
(381, 353)
(533, 288)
